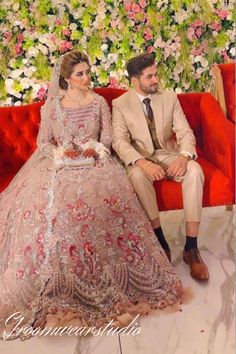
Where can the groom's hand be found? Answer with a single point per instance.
(178, 167)
(153, 170)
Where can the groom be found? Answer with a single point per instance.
(152, 137)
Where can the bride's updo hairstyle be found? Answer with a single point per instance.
(69, 61)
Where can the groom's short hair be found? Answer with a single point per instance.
(136, 65)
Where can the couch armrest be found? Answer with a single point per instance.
(218, 136)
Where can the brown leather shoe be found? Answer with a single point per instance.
(198, 268)
(168, 254)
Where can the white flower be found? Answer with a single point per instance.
(186, 85)
(232, 51)
(181, 16)
(32, 52)
(199, 71)
(73, 26)
(25, 83)
(197, 58)
(9, 84)
(29, 71)
(17, 23)
(42, 49)
(104, 47)
(36, 87)
(204, 62)
(178, 90)
(15, 74)
(159, 43)
(112, 57)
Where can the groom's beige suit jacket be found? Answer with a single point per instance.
(131, 137)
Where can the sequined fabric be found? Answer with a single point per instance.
(77, 238)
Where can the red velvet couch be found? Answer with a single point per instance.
(214, 135)
(228, 77)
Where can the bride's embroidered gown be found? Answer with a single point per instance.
(75, 237)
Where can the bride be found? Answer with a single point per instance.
(73, 236)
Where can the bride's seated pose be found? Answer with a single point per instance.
(73, 236)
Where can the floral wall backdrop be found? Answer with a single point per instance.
(186, 37)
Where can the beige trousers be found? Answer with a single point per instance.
(192, 187)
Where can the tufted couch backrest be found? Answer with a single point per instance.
(228, 77)
(18, 132)
(19, 127)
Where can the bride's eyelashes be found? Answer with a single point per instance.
(81, 73)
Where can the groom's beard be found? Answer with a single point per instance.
(149, 90)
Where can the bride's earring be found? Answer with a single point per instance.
(70, 86)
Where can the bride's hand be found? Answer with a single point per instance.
(71, 153)
(90, 153)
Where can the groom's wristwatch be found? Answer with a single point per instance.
(186, 155)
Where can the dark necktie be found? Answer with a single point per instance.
(147, 101)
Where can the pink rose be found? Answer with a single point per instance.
(53, 38)
(58, 22)
(142, 4)
(128, 6)
(196, 51)
(20, 38)
(225, 56)
(7, 37)
(197, 23)
(65, 46)
(66, 32)
(136, 8)
(148, 34)
(190, 34)
(132, 15)
(150, 49)
(222, 14)
(113, 81)
(18, 49)
(215, 26)
(41, 94)
(198, 32)
(148, 37)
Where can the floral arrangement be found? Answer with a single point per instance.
(186, 37)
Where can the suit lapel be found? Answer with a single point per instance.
(138, 114)
(157, 107)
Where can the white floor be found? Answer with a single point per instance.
(204, 326)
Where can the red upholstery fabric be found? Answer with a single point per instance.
(215, 146)
(18, 132)
(228, 77)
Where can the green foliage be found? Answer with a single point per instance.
(43, 69)
(176, 32)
